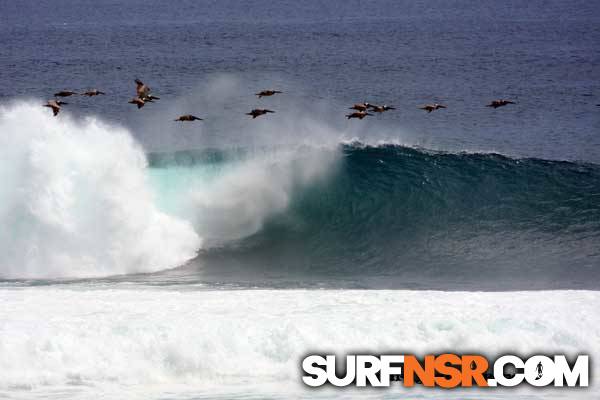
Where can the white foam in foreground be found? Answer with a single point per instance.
(147, 343)
(74, 201)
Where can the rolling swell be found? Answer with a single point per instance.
(392, 216)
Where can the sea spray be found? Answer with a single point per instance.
(79, 201)
(75, 201)
(233, 195)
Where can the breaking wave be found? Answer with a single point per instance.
(75, 201)
(81, 199)
(424, 218)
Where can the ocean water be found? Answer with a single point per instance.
(145, 258)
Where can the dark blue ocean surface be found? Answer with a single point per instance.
(545, 55)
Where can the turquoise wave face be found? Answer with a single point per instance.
(172, 185)
(408, 188)
(418, 218)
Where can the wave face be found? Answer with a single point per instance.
(230, 195)
(418, 218)
(74, 201)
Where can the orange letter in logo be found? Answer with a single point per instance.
(473, 368)
(412, 366)
(444, 365)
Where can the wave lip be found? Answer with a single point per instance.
(75, 201)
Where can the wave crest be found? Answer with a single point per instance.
(75, 201)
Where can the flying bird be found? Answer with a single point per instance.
(55, 106)
(64, 93)
(143, 92)
(94, 92)
(257, 112)
(380, 109)
(188, 117)
(360, 106)
(150, 98)
(138, 102)
(499, 103)
(266, 93)
(358, 114)
(141, 89)
(432, 107)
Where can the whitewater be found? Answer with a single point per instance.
(82, 342)
(77, 200)
(127, 272)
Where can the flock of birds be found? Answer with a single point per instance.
(144, 95)
(362, 109)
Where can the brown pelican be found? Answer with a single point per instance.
(142, 89)
(499, 103)
(137, 101)
(257, 112)
(188, 117)
(64, 93)
(432, 107)
(358, 114)
(380, 109)
(360, 106)
(55, 106)
(266, 93)
(94, 92)
(149, 98)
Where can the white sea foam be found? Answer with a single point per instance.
(74, 201)
(151, 343)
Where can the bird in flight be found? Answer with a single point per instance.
(55, 106)
(360, 106)
(267, 93)
(432, 107)
(142, 90)
(93, 92)
(380, 109)
(499, 103)
(138, 102)
(188, 117)
(358, 114)
(257, 112)
(64, 93)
